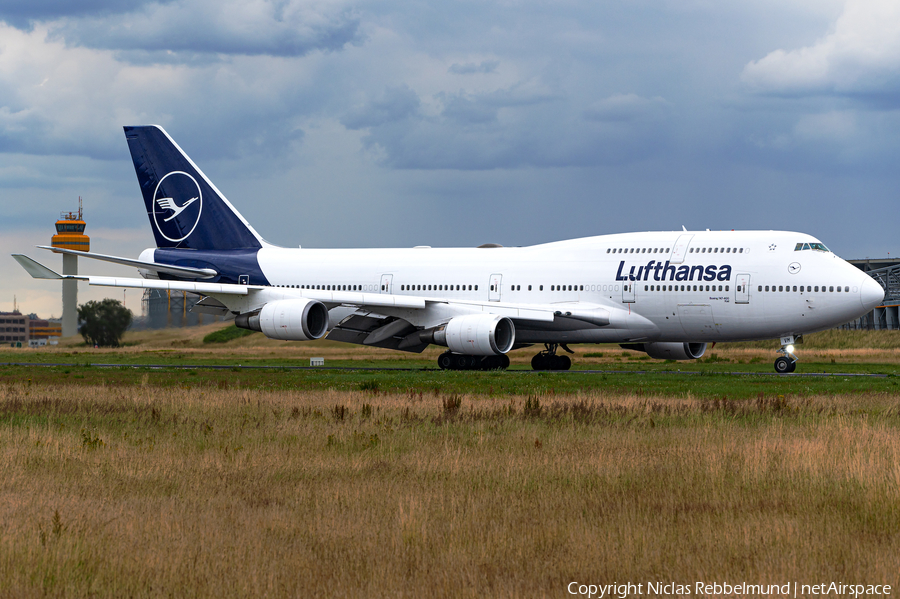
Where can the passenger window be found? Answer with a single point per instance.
(529, 288)
(645, 288)
(831, 289)
(795, 288)
(581, 288)
(541, 288)
(726, 287)
(846, 289)
(476, 287)
(780, 288)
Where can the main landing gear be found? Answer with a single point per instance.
(548, 360)
(450, 361)
(786, 362)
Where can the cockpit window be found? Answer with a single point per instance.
(811, 246)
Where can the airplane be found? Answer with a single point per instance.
(668, 294)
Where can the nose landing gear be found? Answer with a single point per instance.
(786, 362)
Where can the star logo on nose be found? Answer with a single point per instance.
(772, 247)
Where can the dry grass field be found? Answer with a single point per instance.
(147, 491)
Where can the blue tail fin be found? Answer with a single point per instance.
(185, 208)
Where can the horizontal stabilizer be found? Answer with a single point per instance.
(178, 271)
(35, 268)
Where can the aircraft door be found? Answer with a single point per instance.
(387, 283)
(494, 287)
(742, 289)
(628, 292)
(680, 249)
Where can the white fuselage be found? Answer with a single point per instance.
(658, 286)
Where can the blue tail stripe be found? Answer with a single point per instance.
(185, 209)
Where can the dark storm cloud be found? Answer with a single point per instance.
(508, 129)
(276, 28)
(24, 14)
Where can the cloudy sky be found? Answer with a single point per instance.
(354, 123)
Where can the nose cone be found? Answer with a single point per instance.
(871, 294)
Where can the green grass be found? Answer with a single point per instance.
(696, 384)
(227, 334)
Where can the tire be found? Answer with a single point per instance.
(445, 361)
(563, 363)
(783, 365)
(539, 362)
(461, 362)
(504, 362)
(793, 366)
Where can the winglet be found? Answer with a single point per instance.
(36, 269)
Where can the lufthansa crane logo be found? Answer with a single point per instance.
(177, 204)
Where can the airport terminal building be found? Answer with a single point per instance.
(887, 272)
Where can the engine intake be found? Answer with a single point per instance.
(477, 334)
(669, 351)
(288, 320)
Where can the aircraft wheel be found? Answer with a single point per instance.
(793, 366)
(539, 362)
(500, 362)
(784, 365)
(462, 362)
(562, 363)
(445, 361)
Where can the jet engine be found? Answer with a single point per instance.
(669, 351)
(477, 335)
(288, 320)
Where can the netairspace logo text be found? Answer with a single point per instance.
(791, 589)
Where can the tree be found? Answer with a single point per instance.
(104, 322)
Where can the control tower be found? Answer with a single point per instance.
(70, 236)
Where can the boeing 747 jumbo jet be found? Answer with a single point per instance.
(668, 294)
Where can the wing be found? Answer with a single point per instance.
(383, 319)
